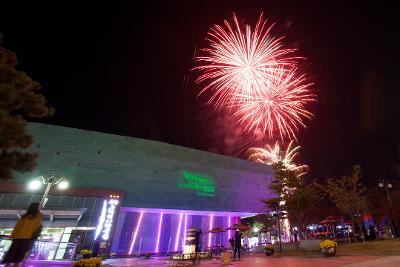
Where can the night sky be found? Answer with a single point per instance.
(124, 68)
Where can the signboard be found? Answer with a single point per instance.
(106, 223)
(204, 185)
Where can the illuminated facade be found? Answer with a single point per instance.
(162, 189)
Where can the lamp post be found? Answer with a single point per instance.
(387, 185)
(279, 229)
(278, 216)
(48, 181)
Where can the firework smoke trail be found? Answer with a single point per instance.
(271, 155)
(240, 62)
(280, 107)
(252, 75)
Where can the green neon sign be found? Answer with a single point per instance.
(205, 186)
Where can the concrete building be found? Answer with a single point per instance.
(134, 195)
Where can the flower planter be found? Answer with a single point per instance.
(329, 252)
(269, 252)
(91, 262)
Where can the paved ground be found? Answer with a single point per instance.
(261, 260)
(39, 263)
(250, 261)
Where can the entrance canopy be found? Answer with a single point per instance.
(54, 217)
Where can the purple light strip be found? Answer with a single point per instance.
(229, 225)
(159, 232)
(178, 232)
(184, 231)
(135, 233)
(209, 235)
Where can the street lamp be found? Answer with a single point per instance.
(35, 185)
(48, 181)
(387, 185)
(63, 185)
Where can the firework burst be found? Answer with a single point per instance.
(273, 154)
(254, 76)
(278, 108)
(240, 61)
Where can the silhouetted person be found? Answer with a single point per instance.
(77, 241)
(395, 230)
(96, 248)
(372, 232)
(197, 245)
(197, 241)
(295, 233)
(25, 232)
(238, 244)
(232, 243)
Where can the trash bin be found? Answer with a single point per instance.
(226, 258)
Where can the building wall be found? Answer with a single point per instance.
(172, 231)
(148, 172)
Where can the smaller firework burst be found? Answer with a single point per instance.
(273, 154)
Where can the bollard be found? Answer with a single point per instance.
(226, 258)
(140, 245)
(169, 243)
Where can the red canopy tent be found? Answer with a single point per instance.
(331, 219)
(216, 230)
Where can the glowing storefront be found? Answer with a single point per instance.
(162, 189)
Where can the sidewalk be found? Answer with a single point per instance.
(261, 260)
(43, 263)
(158, 261)
(257, 260)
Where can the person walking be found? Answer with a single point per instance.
(197, 246)
(238, 244)
(372, 232)
(25, 232)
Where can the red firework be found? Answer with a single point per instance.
(240, 61)
(253, 75)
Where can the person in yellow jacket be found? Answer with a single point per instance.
(25, 232)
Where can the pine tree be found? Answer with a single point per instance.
(19, 100)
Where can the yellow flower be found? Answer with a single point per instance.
(86, 251)
(269, 247)
(328, 244)
(91, 262)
